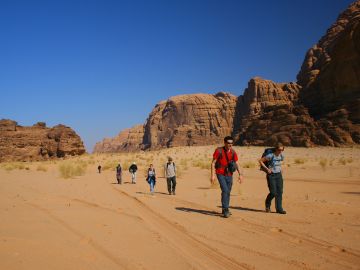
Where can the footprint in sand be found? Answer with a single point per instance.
(276, 230)
(337, 249)
(296, 240)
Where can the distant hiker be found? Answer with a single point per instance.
(151, 178)
(271, 164)
(225, 164)
(119, 174)
(99, 168)
(133, 168)
(170, 174)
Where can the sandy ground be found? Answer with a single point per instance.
(90, 222)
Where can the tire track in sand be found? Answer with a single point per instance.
(335, 253)
(202, 255)
(97, 247)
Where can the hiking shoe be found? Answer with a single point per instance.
(169, 192)
(267, 210)
(226, 214)
(282, 212)
(173, 192)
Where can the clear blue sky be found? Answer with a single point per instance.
(101, 66)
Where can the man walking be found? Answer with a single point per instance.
(170, 174)
(133, 168)
(274, 178)
(225, 164)
(119, 174)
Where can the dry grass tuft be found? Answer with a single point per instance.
(41, 168)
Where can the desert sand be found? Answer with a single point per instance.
(90, 222)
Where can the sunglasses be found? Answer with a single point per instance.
(230, 142)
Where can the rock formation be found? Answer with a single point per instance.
(129, 139)
(197, 119)
(322, 108)
(37, 142)
(330, 74)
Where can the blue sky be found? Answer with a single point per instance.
(101, 66)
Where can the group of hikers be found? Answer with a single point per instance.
(224, 165)
(169, 172)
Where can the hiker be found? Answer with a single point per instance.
(151, 178)
(99, 168)
(225, 164)
(133, 168)
(271, 164)
(119, 174)
(170, 174)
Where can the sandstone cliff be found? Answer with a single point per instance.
(197, 119)
(330, 74)
(37, 142)
(129, 139)
(322, 108)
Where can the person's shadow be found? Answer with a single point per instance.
(246, 209)
(155, 192)
(199, 211)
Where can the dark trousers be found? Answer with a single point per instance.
(275, 184)
(171, 183)
(225, 185)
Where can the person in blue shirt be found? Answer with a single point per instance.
(274, 178)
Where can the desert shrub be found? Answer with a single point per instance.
(299, 160)
(70, 170)
(202, 164)
(13, 166)
(323, 163)
(110, 165)
(41, 168)
(342, 161)
(249, 164)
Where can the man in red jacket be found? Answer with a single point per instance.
(225, 164)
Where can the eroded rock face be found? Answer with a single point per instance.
(37, 142)
(197, 119)
(129, 139)
(322, 108)
(330, 74)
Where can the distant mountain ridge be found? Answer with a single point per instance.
(321, 108)
(38, 142)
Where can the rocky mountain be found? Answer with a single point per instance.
(197, 119)
(330, 74)
(129, 139)
(35, 143)
(321, 108)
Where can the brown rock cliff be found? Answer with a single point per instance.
(37, 142)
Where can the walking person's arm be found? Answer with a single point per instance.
(212, 179)
(261, 162)
(241, 176)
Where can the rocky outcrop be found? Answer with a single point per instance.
(129, 139)
(197, 119)
(37, 142)
(330, 74)
(322, 108)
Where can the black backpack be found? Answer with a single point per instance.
(231, 167)
(267, 163)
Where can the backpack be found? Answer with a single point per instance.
(231, 167)
(267, 163)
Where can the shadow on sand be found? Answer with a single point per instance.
(246, 209)
(156, 192)
(351, 192)
(199, 211)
